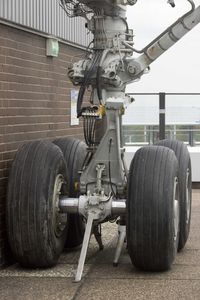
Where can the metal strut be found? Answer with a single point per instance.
(84, 248)
(120, 243)
(121, 239)
(97, 235)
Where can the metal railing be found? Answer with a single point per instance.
(150, 136)
(176, 116)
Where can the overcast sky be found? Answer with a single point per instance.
(177, 70)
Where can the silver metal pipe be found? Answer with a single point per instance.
(69, 205)
(118, 207)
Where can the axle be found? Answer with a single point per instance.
(74, 206)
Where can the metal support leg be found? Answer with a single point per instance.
(120, 243)
(84, 248)
(97, 234)
(161, 116)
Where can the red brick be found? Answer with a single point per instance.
(34, 100)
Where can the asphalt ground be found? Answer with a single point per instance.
(103, 281)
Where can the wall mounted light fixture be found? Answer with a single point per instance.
(52, 47)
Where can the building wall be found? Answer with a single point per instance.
(34, 101)
(46, 16)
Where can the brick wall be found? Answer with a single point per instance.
(34, 101)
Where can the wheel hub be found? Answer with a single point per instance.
(176, 209)
(59, 218)
(188, 197)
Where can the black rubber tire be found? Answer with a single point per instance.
(74, 152)
(185, 187)
(30, 207)
(150, 209)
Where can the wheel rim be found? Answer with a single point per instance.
(188, 197)
(59, 219)
(176, 209)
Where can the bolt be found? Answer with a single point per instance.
(131, 69)
(132, 2)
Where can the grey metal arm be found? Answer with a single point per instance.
(164, 41)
